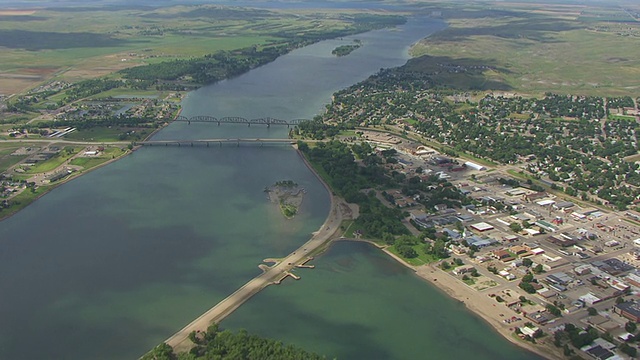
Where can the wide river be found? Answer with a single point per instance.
(112, 263)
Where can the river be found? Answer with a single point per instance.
(112, 263)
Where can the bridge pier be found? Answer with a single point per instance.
(192, 144)
(268, 125)
(188, 122)
(218, 123)
(207, 144)
(249, 124)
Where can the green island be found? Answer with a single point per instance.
(345, 50)
(288, 195)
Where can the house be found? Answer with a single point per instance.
(539, 317)
(463, 269)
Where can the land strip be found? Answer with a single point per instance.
(272, 274)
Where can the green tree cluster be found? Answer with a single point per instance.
(225, 344)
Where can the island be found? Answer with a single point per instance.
(288, 195)
(344, 50)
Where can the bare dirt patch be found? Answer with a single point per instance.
(17, 82)
(17, 12)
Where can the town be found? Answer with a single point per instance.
(540, 257)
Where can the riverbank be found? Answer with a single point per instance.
(329, 231)
(484, 306)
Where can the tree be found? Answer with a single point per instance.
(629, 350)
(631, 327)
(538, 269)
(515, 227)
(388, 238)
(527, 262)
(592, 311)
(553, 310)
(527, 287)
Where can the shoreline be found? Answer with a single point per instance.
(456, 290)
(86, 171)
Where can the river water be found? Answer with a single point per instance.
(114, 262)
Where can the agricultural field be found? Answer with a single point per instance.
(76, 44)
(560, 49)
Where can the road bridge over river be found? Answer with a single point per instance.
(207, 142)
(239, 120)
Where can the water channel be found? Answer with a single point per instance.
(114, 262)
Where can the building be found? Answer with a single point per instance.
(629, 310)
(539, 317)
(475, 166)
(563, 205)
(482, 226)
(563, 241)
(463, 269)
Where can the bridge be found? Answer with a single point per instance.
(239, 120)
(207, 142)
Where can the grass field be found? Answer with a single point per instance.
(104, 134)
(417, 261)
(87, 43)
(55, 161)
(90, 162)
(533, 52)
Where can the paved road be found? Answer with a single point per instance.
(70, 142)
(180, 342)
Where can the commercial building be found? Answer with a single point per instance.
(629, 310)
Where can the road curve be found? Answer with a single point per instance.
(180, 341)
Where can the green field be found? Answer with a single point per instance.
(55, 161)
(421, 259)
(91, 42)
(533, 52)
(104, 134)
(622, 117)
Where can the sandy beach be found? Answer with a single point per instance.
(484, 306)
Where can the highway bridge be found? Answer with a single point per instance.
(239, 120)
(208, 142)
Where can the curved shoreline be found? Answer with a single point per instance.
(455, 290)
(270, 275)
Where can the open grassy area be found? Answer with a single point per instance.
(421, 259)
(532, 51)
(622, 117)
(90, 42)
(55, 161)
(106, 134)
(90, 162)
